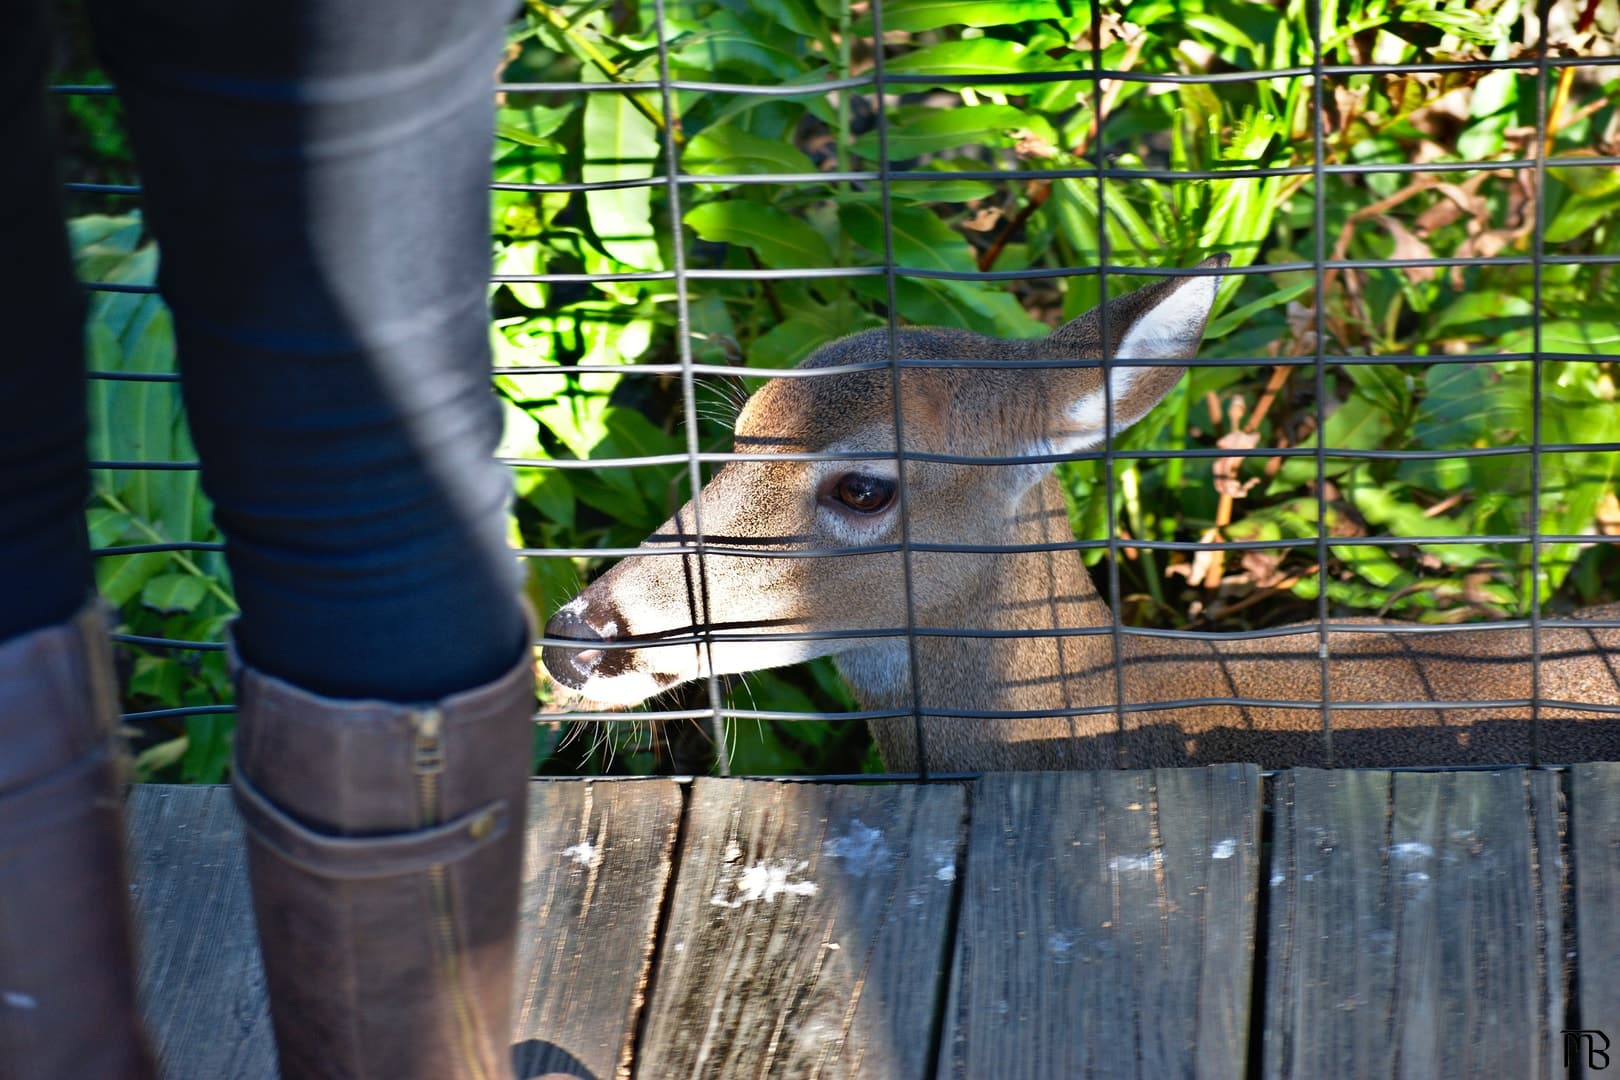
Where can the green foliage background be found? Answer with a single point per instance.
(1439, 350)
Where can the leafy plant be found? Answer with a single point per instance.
(1037, 210)
(991, 150)
(174, 594)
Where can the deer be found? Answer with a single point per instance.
(1018, 665)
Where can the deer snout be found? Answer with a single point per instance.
(573, 666)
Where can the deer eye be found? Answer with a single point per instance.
(864, 493)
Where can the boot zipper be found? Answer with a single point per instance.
(428, 765)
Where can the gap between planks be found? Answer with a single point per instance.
(1415, 921)
(1416, 925)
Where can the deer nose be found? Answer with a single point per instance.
(572, 666)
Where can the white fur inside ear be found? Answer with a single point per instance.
(1086, 415)
(1172, 327)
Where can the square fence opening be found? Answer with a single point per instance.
(920, 389)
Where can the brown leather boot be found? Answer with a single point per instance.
(385, 851)
(67, 976)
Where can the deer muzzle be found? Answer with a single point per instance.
(573, 666)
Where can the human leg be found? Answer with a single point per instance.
(67, 982)
(317, 178)
(44, 476)
(316, 175)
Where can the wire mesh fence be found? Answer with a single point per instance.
(1404, 405)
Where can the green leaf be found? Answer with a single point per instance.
(576, 419)
(1473, 404)
(1492, 110)
(915, 130)
(920, 302)
(778, 238)
(978, 56)
(110, 233)
(1468, 25)
(1074, 205)
(552, 582)
(141, 421)
(1582, 212)
(933, 14)
(621, 144)
(630, 434)
(208, 748)
(553, 496)
(1384, 506)
(786, 343)
(107, 527)
(120, 578)
(1480, 314)
(530, 126)
(1373, 564)
(127, 314)
(157, 677)
(170, 593)
(920, 239)
(799, 16)
(1358, 424)
(1240, 316)
(1591, 336)
(1587, 179)
(1221, 30)
(523, 257)
(727, 149)
(1388, 386)
(732, 47)
(941, 191)
(154, 759)
(613, 492)
(825, 672)
(999, 312)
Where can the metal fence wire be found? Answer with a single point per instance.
(689, 277)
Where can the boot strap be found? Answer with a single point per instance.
(362, 857)
(81, 788)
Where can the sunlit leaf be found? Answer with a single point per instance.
(621, 144)
(174, 592)
(777, 237)
(979, 56)
(933, 14)
(530, 126)
(917, 130)
(728, 149)
(918, 237)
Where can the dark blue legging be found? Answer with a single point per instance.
(316, 174)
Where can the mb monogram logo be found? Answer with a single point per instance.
(1588, 1045)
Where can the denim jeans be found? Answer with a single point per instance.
(316, 176)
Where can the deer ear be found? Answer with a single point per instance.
(1162, 321)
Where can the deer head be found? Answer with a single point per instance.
(760, 514)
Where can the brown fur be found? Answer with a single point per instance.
(1045, 590)
(781, 505)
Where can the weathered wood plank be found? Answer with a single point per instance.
(1470, 995)
(807, 934)
(1550, 865)
(199, 967)
(1107, 925)
(1330, 962)
(596, 859)
(1209, 822)
(596, 864)
(1408, 916)
(1595, 832)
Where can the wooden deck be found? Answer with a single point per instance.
(1189, 922)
